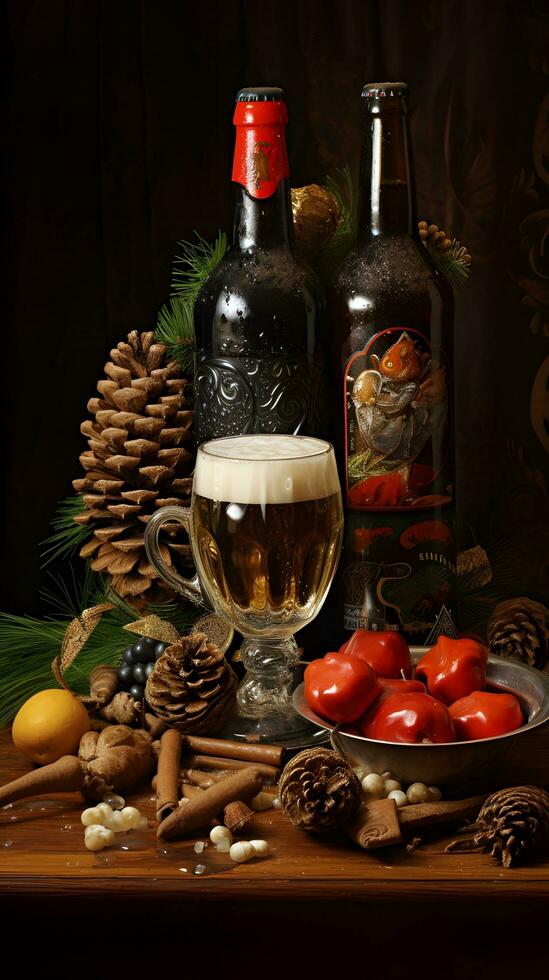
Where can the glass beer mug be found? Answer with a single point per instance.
(265, 526)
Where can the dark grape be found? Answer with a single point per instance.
(149, 668)
(159, 650)
(137, 691)
(139, 675)
(144, 649)
(125, 675)
(130, 656)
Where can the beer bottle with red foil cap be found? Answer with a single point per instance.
(259, 315)
(392, 324)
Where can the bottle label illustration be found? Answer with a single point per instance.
(396, 402)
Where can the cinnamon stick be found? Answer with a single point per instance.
(203, 779)
(190, 792)
(63, 776)
(217, 763)
(199, 812)
(167, 783)
(263, 800)
(427, 814)
(375, 824)
(269, 755)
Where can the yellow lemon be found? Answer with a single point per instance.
(49, 725)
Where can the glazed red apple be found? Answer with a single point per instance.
(412, 718)
(385, 651)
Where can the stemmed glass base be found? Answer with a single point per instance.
(265, 712)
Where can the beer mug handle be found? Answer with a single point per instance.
(190, 588)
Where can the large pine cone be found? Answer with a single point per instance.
(520, 628)
(318, 790)
(192, 687)
(514, 824)
(140, 458)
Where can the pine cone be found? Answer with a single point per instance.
(140, 458)
(192, 687)
(318, 790)
(513, 825)
(520, 628)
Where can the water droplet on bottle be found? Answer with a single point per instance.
(7, 843)
(199, 869)
(199, 847)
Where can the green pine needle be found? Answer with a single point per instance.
(454, 263)
(67, 537)
(333, 253)
(194, 263)
(28, 645)
(175, 328)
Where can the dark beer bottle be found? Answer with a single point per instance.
(259, 363)
(392, 315)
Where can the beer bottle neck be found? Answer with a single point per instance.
(262, 223)
(387, 189)
(260, 173)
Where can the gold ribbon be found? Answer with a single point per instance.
(81, 628)
(78, 631)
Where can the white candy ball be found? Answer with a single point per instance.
(97, 837)
(131, 817)
(435, 794)
(143, 823)
(116, 822)
(374, 785)
(260, 847)
(417, 793)
(92, 816)
(391, 785)
(105, 810)
(221, 835)
(241, 851)
(399, 797)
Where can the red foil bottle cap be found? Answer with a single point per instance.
(260, 156)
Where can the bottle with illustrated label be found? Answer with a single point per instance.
(260, 315)
(392, 329)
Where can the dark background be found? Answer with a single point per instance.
(118, 142)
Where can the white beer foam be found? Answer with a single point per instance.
(265, 469)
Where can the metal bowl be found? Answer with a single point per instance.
(449, 762)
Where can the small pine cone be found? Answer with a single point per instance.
(520, 628)
(192, 687)
(433, 236)
(513, 824)
(140, 458)
(318, 790)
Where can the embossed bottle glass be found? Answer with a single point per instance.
(392, 330)
(259, 316)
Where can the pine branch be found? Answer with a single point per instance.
(194, 263)
(175, 328)
(454, 263)
(28, 644)
(67, 537)
(333, 253)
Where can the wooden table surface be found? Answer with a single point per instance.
(42, 858)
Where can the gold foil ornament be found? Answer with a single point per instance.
(316, 215)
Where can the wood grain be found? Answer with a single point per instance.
(47, 857)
